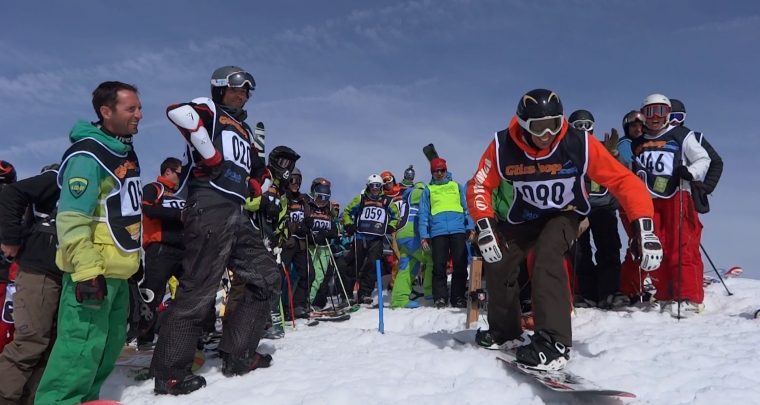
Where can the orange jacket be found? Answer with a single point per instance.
(603, 168)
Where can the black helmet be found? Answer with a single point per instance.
(320, 191)
(540, 110)
(7, 172)
(52, 166)
(631, 117)
(282, 161)
(229, 76)
(582, 120)
(409, 174)
(677, 106)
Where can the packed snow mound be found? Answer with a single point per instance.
(710, 358)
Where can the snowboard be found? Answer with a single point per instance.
(138, 362)
(558, 381)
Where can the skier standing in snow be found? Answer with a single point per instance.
(321, 228)
(699, 189)
(370, 216)
(669, 158)
(98, 225)
(292, 238)
(162, 241)
(38, 283)
(546, 161)
(412, 254)
(444, 226)
(598, 283)
(227, 173)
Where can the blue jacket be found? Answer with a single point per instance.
(443, 223)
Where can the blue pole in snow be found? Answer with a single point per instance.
(380, 325)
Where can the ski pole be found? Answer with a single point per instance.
(380, 325)
(715, 268)
(340, 278)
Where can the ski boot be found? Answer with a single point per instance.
(233, 365)
(184, 386)
(543, 353)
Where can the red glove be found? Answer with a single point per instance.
(254, 188)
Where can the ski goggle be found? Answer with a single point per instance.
(583, 125)
(375, 186)
(283, 163)
(388, 182)
(237, 79)
(321, 197)
(540, 126)
(655, 110)
(295, 180)
(679, 117)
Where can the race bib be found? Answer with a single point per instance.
(373, 214)
(174, 204)
(296, 216)
(556, 193)
(659, 163)
(320, 225)
(131, 197)
(236, 149)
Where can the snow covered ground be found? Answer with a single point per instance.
(708, 359)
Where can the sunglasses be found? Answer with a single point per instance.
(655, 110)
(177, 171)
(540, 126)
(583, 125)
(375, 186)
(237, 79)
(678, 116)
(438, 171)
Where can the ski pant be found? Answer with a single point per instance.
(597, 281)
(320, 261)
(23, 360)
(550, 238)
(161, 263)
(412, 257)
(218, 235)
(90, 338)
(681, 272)
(295, 256)
(455, 247)
(368, 252)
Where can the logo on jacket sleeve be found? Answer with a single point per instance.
(77, 186)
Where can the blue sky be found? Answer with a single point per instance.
(359, 87)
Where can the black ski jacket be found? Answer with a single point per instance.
(36, 235)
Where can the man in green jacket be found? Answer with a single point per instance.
(98, 224)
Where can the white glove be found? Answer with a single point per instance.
(645, 245)
(488, 242)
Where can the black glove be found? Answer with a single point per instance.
(91, 290)
(271, 205)
(390, 230)
(684, 173)
(350, 229)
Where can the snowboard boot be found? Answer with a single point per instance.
(233, 365)
(440, 303)
(543, 353)
(183, 386)
(485, 339)
(460, 302)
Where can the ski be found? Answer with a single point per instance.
(558, 381)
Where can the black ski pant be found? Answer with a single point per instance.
(550, 238)
(162, 261)
(368, 252)
(597, 281)
(295, 255)
(455, 247)
(218, 235)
